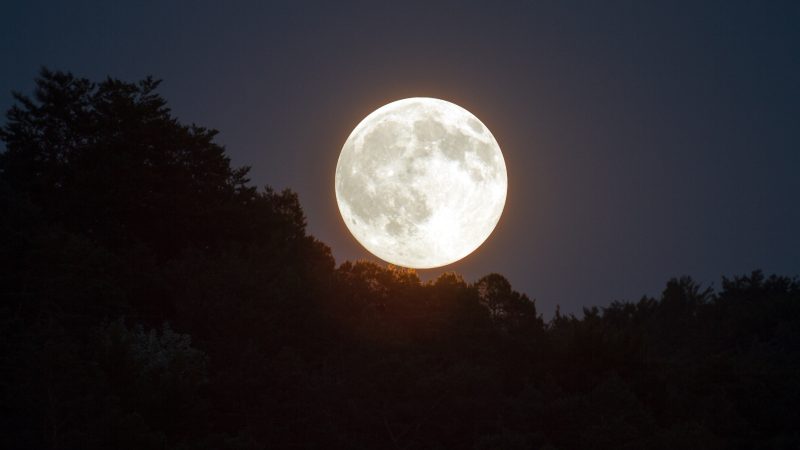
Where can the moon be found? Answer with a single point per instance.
(421, 182)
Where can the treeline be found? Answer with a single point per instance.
(151, 298)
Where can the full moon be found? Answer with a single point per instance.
(421, 182)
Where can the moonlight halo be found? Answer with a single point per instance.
(421, 182)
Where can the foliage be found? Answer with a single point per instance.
(116, 220)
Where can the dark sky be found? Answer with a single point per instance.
(643, 140)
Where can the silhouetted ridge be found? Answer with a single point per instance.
(152, 298)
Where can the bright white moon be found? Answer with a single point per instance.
(421, 182)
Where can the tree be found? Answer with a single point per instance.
(513, 310)
(108, 160)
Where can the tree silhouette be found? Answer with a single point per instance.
(109, 161)
(150, 297)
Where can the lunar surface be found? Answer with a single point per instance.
(421, 182)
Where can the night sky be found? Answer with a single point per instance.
(643, 141)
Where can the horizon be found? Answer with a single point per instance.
(643, 142)
(164, 285)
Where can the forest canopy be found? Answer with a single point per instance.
(152, 297)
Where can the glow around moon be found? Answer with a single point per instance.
(421, 182)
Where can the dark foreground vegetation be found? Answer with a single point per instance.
(151, 298)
